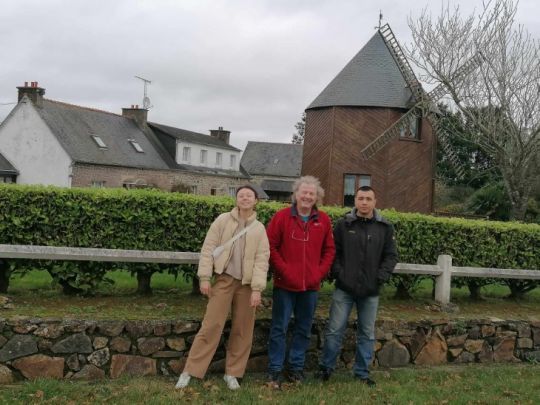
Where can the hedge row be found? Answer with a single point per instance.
(154, 220)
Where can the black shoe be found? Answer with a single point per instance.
(323, 374)
(274, 380)
(295, 376)
(368, 381)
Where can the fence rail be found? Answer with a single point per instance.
(443, 270)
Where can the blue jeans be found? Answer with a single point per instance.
(366, 308)
(285, 303)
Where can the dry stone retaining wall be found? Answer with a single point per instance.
(88, 350)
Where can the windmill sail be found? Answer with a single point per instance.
(425, 102)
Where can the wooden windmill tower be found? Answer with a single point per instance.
(375, 125)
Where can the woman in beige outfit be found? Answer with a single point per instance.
(240, 276)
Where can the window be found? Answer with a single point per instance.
(232, 191)
(193, 189)
(186, 154)
(99, 142)
(98, 183)
(233, 161)
(213, 191)
(351, 183)
(136, 146)
(7, 179)
(219, 159)
(410, 129)
(204, 156)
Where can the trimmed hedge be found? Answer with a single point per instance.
(155, 220)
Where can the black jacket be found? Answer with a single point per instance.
(366, 254)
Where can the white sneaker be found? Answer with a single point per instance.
(232, 382)
(183, 381)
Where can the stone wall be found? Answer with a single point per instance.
(87, 350)
(83, 175)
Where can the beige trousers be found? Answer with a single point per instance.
(226, 294)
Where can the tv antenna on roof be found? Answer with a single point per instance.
(146, 101)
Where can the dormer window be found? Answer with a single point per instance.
(99, 142)
(136, 145)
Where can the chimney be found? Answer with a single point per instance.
(221, 134)
(33, 92)
(139, 115)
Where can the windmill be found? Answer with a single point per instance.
(425, 102)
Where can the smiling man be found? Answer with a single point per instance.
(365, 258)
(301, 253)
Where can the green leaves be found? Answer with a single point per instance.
(155, 220)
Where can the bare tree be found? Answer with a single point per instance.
(501, 98)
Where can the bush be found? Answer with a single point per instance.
(155, 220)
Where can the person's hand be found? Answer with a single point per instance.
(205, 288)
(255, 299)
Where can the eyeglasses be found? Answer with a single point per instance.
(304, 236)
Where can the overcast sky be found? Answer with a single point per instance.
(251, 66)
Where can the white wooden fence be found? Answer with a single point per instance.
(443, 270)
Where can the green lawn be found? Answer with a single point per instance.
(34, 295)
(473, 384)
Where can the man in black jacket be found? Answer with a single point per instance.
(365, 258)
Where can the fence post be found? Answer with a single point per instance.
(443, 281)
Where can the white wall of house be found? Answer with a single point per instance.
(195, 156)
(30, 146)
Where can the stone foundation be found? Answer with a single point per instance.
(89, 350)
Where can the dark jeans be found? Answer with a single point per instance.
(285, 303)
(366, 308)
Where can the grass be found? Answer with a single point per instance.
(34, 295)
(472, 384)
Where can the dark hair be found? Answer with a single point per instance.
(249, 188)
(365, 188)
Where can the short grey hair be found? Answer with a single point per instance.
(311, 181)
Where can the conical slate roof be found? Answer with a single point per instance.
(371, 79)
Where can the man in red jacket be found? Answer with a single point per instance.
(301, 254)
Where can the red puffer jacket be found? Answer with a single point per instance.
(301, 253)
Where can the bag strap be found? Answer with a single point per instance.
(238, 235)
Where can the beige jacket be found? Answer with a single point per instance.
(256, 253)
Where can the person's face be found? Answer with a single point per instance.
(306, 196)
(245, 199)
(365, 202)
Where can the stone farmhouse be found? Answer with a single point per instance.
(49, 142)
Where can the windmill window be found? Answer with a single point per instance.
(410, 129)
(136, 146)
(99, 142)
(351, 183)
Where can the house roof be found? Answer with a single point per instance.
(192, 137)
(277, 185)
(75, 127)
(6, 167)
(272, 159)
(165, 141)
(371, 79)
